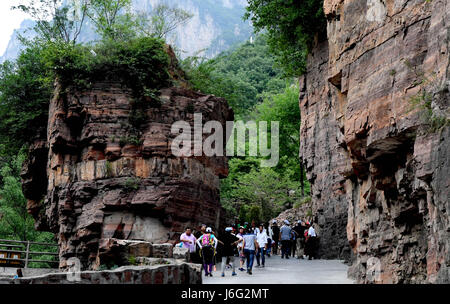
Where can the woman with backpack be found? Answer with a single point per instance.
(207, 244)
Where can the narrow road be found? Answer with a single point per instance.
(281, 271)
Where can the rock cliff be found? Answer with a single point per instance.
(106, 180)
(375, 138)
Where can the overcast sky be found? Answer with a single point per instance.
(9, 20)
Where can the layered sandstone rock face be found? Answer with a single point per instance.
(380, 176)
(109, 180)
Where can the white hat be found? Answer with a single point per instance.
(208, 229)
(228, 229)
(299, 221)
(286, 222)
(274, 221)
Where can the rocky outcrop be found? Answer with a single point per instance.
(379, 171)
(302, 213)
(97, 176)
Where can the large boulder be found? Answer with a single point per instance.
(110, 179)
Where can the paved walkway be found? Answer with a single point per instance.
(292, 271)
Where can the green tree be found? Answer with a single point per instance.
(15, 222)
(271, 189)
(113, 19)
(262, 193)
(25, 93)
(241, 75)
(56, 20)
(284, 108)
(162, 20)
(291, 26)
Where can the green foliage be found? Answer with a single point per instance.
(259, 195)
(112, 18)
(240, 75)
(56, 20)
(25, 91)
(141, 63)
(15, 222)
(270, 189)
(133, 140)
(291, 26)
(109, 169)
(132, 260)
(245, 76)
(283, 107)
(162, 21)
(434, 121)
(132, 183)
(108, 266)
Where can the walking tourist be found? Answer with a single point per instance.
(261, 238)
(207, 244)
(275, 236)
(311, 237)
(198, 233)
(240, 247)
(285, 238)
(292, 246)
(229, 249)
(269, 239)
(250, 247)
(300, 244)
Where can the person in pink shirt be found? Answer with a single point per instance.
(188, 240)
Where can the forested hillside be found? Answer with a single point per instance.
(255, 86)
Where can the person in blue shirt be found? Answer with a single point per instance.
(285, 238)
(18, 274)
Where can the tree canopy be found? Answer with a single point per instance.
(291, 26)
(240, 75)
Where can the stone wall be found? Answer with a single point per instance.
(379, 175)
(110, 179)
(177, 273)
(27, 272)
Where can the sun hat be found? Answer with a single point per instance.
(208, 229)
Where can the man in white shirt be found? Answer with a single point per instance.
(310, 246)
(311, 231)
(261, 238)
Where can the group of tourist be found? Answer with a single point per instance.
(246, 243)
